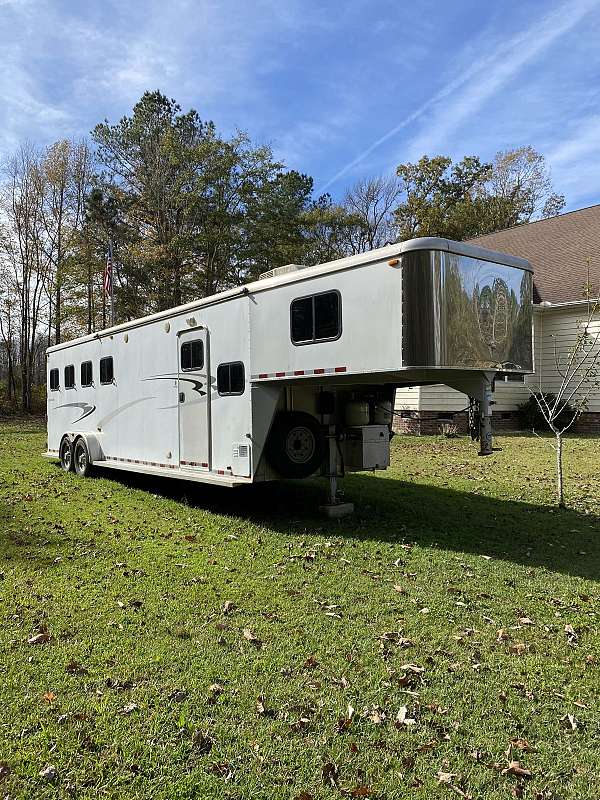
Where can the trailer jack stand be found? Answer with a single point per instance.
(334, 509)
(485, 428)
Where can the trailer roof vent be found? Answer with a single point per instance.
(281, 270)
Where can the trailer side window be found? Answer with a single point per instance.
(107, 371)
(54, 380)
(317, 318)
(192, 355)
(231, 378)
(70, 377)
(86, 373)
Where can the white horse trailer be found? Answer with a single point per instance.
(293, 374)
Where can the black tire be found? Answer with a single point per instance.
(296, 446)
(65, 454)
(81, 459)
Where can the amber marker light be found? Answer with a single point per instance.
(393, 262)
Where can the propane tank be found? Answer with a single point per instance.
(383, 412)
(357, 413)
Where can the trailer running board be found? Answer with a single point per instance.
(170, 472)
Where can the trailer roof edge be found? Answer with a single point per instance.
(349, 262)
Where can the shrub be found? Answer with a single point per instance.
(531, 417)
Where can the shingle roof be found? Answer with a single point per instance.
(558, 249)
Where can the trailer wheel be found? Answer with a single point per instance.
(81, 459)
(296, 446)
(66, 454)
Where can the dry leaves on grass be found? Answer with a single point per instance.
(43, 637)
(331, 774)
(4, 771)
(49, 697)
(75, 668)
(229, 607)
(515, 768)
(570, 722)
(449, 779)
(129, 708)
(344, 723)
(49, 773)
(250, 637)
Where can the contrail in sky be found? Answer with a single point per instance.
(495, 69)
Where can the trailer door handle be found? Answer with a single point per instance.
(181, 397)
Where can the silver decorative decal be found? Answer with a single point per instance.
(86, 410)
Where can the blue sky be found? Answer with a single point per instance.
(340, 90)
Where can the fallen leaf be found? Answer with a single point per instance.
(250, 637)
(75, 668)
(515, 768)
(570, 722)
(222, 770)
(228, 606)
(331, 774)
(402, 717)
(202, 742)
(361, 791)
(518, 648)
(521, 744)
(4, 770)
(49, 697)
(128, 709)
(304, 796)
(572, 637)
(399, 589)
(39, 638)
(49, 773)
(344, 723)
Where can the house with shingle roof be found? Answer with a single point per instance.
(564, 252)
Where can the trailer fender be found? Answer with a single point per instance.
(93, 444)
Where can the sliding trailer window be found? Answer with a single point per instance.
(316, 318)
(192, 355)
(107, 370)
(54, 380)
(86, 373)
(231, 378)
(70, 377)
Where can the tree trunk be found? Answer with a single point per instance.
(560, 496)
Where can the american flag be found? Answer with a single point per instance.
(108, 272)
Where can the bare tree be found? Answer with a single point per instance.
(372, 202)
(578, 367)
(23, 257)
(65, 176)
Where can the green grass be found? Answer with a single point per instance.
(129, 576)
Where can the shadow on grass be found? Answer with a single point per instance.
(391, 511)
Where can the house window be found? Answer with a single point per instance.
(86, 373)
(70, 377)
(317, 318)
(230, 378)
(54, 380)
(107, 371)
(192, 355)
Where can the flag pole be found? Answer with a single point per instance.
(112, 287)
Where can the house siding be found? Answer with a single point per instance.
(552, 327)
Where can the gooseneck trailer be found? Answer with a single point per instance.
(293, 374)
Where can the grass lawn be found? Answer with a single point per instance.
(212, 643)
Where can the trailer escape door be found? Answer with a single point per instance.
(194, 399)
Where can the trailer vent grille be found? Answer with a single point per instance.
(272, 273)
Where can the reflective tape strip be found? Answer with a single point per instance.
(298, 373)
